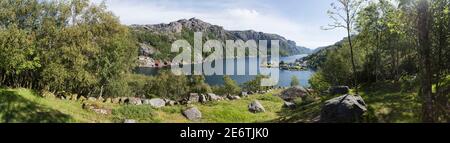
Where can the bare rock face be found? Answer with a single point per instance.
(343, 109)
(192, 114)
(256, 107)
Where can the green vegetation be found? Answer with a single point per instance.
(24, 106)
(64, 46)
(394, 45)
(294, 81)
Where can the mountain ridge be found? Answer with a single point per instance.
(172, 29)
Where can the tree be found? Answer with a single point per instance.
(423, 29)
(294, 81)
(230, 86)
(344, 14)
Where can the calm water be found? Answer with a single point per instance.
(284, 79)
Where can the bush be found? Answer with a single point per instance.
(230, 87)
(168, 85)
(317, 82)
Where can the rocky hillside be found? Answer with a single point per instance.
(160, 36)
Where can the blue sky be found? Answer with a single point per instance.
(297, 20)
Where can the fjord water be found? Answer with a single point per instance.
(284, 75)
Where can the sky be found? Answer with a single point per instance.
(297, 20)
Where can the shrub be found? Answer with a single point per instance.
(318, 82)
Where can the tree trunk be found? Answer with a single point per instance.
(425, 53)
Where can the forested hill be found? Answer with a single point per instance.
(160, 36)
(319, 55)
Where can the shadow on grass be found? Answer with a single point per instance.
(301, 114)
(16, 109)
(388, 103)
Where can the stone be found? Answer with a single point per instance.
(244, 94)
(82, 98)
(129, 121)
(47, 94)
(74, 97)
(203, 98)
(101, 99)
(170, 103)
(91, 99)
(231, 97)
(213, 97)
(339, 90)
(157, 103)
(293, 93)
(115, 100)
(194, 98)
(108, 100)
(135, 101)
(256, 107)
(192, 114)
(102, 111)
(289, 104)
(123, 100)
(343, 109)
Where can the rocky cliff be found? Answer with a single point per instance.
(185, 28)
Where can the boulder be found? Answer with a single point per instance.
(135, 101)
(96, 108)
(102, 111)
(108, 100)
(91, 99)
(82, 98)
(123, 100)
(169, 102)
(256, 107)
(192, 114)
(194, 98)
(232, 97)
(115, 100)
(47, 94)
(336, 90)
(129, 121)
(203, 98)
(244, 94)
(343, 109)
(213, 97)
(101, 99)
(289, 104)
(156, 102)
(293, 93)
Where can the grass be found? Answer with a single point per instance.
(25, 106)
(387, 103)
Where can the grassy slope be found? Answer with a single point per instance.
(23, 105)
(387, 103)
